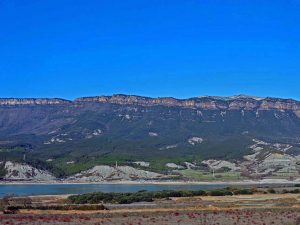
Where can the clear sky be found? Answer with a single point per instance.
(180, 48)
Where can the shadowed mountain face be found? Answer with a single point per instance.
(139, 128)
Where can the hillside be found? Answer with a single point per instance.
(68, 137)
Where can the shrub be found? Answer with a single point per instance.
(243, 192)
(271, 191)
(296, 191)
(221, 192)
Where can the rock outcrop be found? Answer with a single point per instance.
(221, 164)
(109, 173)
(24, 172)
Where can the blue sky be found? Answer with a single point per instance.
(71, 48)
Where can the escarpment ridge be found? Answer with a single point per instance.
(207, 102)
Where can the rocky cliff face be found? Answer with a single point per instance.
(32, 101)
(207, 103)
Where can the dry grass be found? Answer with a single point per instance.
(224, 210)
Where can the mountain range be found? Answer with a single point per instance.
(68, 137)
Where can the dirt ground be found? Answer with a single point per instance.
(265, 209)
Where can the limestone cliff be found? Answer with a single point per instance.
(207, 103)
(32, 101)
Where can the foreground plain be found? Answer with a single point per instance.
(241, 209)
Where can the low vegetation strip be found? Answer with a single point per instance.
(147, 196)
(9, 205)
(60, 207)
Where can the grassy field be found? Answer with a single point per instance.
(208, 176)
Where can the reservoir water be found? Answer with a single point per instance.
(61, 189)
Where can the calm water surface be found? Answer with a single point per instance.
(60, 189)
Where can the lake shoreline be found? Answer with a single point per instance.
(244, 182)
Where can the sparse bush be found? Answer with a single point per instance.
(296, 191)
(221, 192)
(2, 205)
(59, 207)
(10, 204)
(271, 191)
(243, 192)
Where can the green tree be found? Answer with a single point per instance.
(2, 170)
